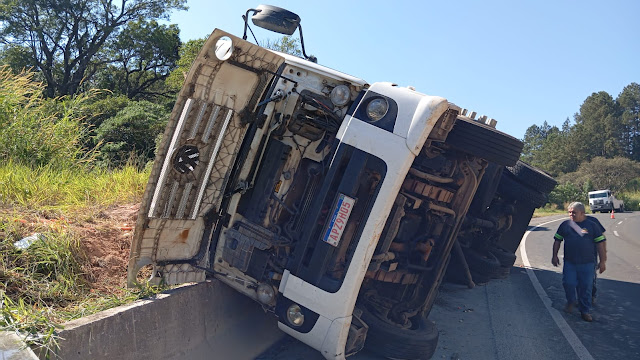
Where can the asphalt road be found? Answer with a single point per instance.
(521, 317)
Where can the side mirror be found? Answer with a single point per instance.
(276, 19)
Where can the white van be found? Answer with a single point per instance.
(604, 201)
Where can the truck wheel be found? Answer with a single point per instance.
(395, 342)
(514, 190)
(502, 273)
(506, 258)
(533, 177)
(480, 279)
(484, 141)
(481, 264)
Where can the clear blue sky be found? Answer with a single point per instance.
(520, 62)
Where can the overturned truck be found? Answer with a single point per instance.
(332, 202)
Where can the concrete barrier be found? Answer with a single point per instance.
(202, 321)
(13, 348)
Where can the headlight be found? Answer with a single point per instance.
(265, 293)
(295, 315)
(340, 95)
(377, 109)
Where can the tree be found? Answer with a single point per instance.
(132, 132)
(187, 54)
(602, 173)
(599, 131)
(144, 53)
(17, 57)
(285, 44)
(65, 38)
(629, 100)
(534, 140)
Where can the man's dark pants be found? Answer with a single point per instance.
(578, 278)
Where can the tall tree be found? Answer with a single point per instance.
(65, 37)
(144, 53)
(534, 140)
(629, 100)
(599, 131)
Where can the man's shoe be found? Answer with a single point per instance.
(587, 317)
(568, 308)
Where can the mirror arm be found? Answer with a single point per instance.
(310, 58)
(245, 17)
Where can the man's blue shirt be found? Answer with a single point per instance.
(579, 247)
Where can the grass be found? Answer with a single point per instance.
(47, 284)
(50, 188)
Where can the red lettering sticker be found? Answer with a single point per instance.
(338, 220)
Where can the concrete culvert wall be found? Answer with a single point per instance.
(202, 321)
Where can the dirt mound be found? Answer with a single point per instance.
(106, 240)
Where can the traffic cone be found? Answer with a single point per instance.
(613, 217)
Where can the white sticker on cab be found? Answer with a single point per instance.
(339, 217)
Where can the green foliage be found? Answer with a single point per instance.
(131, 132)
(47, 187)
(45, 284)
(604, 127)
(601, 173)
(188, 53)
(285, 44)
(567, 193)
(629, 101)
(144, 53)
(66, 38)
(17, 57)
(631, 200)
(37, 131)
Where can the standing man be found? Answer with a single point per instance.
(594, 291)
(579, 236)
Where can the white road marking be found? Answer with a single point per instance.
(566, 330)
(615, 233)
(619, 222)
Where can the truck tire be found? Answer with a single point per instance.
(480, 279)
(502, 273)
(391, 341)
(533, 177)
(505, 258)
(512, 189)
(484, 141)
(481, 264)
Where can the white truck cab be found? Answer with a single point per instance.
(604, 201)
(332, 202)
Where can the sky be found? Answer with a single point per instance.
(519, 62)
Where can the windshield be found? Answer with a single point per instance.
(598, 195)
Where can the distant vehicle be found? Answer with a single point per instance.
(604, 201)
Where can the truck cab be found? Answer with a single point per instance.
(333, 202)
(604, 201)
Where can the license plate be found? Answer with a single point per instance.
(339, 217)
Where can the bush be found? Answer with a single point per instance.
(567, 193)
(132, 132)
(35, 131)
(601, 173)
(631, 200)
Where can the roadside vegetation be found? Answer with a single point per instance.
(598, 150)
(61, 193)
(74, 160)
